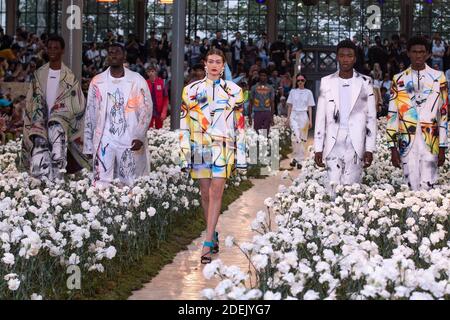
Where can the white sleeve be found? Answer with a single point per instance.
(311, 102)
(290, 97)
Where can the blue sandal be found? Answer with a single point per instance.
(216, 243)
(204, 258)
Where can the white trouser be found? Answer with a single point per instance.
(343, 163)
(49, 157)
(299, 122)
(420, 168)
(117, 162)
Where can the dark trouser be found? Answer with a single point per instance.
(262, 120)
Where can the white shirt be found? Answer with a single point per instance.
(92, 54)
(52, 87)
(301, 99)
(345, 98)
(438, 49)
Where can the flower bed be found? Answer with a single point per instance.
(377, 240)
(45, 230)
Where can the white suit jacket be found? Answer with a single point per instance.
(139, 102)
(362, 119)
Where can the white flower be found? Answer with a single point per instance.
(229, 241)
(13, 284)
(211, 268)
(269, 295)
(285, 175)
(421, 296)
(268, 202)
(260, 261)
(110, 252)
(74, 259)
(36, 296)
(208, 294)
(143, 215)
(311, 295)
(8, 259)
(253, 294)
(151, 211)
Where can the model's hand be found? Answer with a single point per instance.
(368, 158)
(163, 116)
(272, 123)
(310, 124)
(136, 145)
(395, 158)
(441, 157)
(250, 120)
(318, 159)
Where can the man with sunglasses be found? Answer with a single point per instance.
(345, 128)
(300, 103)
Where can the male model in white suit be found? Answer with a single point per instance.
(345, 127)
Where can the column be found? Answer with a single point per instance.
(177, 67)
(140, 10)
(406, 16)
(72, 32)
(272, 25)
(11, 17)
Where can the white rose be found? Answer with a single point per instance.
(8, 259)
(110, 252)
(13, 284)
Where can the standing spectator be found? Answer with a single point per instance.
(382, 111)
(152, 48)
(263, 50)
(282, 107)
(92, 53)
(251, 52)
(160, 98)
(109, 38)
(285, 85)
(219, 42)
(378, 54)
(5, 40)
(237, 50)
(262, 104)
(437, 53)
(164, 48)
(195, 54)
(278, 52)
(387, 82)
(294, 54)
(132, 49)
(198, 73)
(205, 47)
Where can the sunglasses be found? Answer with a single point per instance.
(300, 80)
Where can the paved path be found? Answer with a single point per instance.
(183, 278)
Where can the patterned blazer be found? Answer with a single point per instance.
(212, 116)
(68, 110)
(403, 114)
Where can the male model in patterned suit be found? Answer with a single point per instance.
(417, 119)
(118, 113)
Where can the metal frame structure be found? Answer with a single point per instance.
(325, 23)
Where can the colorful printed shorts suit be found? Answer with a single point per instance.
(212, 129)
